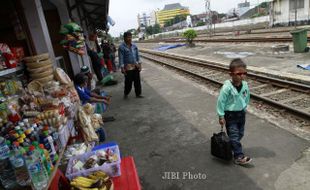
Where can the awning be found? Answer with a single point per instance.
(93, 12)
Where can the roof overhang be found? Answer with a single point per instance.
(93, 12)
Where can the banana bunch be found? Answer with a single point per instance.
(95, 181)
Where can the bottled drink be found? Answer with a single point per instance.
(55, 135)
(43, 157)
(20, 168)
(36, 169)
(47, 160)
(7, 175)
(49, 145)
(26, 122)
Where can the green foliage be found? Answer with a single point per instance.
(221, 15)
(264, 5)
(200, 23)
(150, 30)
(190, 35)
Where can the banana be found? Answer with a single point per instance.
(79, 184)
(101, 174)
(103, 188)
(82, 182)
(85, 179)
(83, 188)
(92, 177)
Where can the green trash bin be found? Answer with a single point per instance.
(300, 40)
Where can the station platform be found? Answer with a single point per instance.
(260, 58)
(170, 129)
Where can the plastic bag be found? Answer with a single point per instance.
(73, 27)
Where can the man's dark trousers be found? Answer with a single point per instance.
(132, 76)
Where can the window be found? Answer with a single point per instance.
(300, 4)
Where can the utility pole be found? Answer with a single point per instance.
(208, 17)
(295, 24)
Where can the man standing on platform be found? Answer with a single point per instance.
(129, 62)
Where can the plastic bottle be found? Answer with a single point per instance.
(36, 170)
(49, 145)
(47, 162)
(22, 126)
(26, 122)
(7, 176)
(19, 165)
(42, 156)
(36, 132)
(55, 135)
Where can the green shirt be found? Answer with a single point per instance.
(232, 100)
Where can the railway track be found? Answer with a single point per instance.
(289, 96)
(236, 40)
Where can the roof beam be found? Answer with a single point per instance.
(94, 4)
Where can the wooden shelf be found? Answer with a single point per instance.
(10, 71)
(61, 153)
(60, 156)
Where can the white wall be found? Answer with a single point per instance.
(237, 23)
(282, 14)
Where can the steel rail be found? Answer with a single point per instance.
(262, 78)
(290, 109)
(219, 40)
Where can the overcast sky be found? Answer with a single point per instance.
(124, 12)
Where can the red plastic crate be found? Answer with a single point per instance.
(129, 179)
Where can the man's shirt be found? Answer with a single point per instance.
(84, 94)
(128, 55)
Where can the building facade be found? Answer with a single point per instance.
(144, 20)
(286, 11)
(170, 11)
(153, 18)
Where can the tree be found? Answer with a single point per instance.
(156, 29)
(190, 35)
(150, 30)
(200, 23)
(168, 23)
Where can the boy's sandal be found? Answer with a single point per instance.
(243, 160)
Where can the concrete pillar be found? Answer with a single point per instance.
(77, 61)
(37, 25)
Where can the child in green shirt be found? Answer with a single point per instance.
(231, 107)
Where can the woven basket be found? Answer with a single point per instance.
(41, 69)
(35, 65)
(45, 79)
(44, 74)
(37, 58)
(35, 86)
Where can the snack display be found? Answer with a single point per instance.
(107, 160)
(35, 124)
(37, 119)
(78, 149)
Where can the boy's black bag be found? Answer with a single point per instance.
(220, 146)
